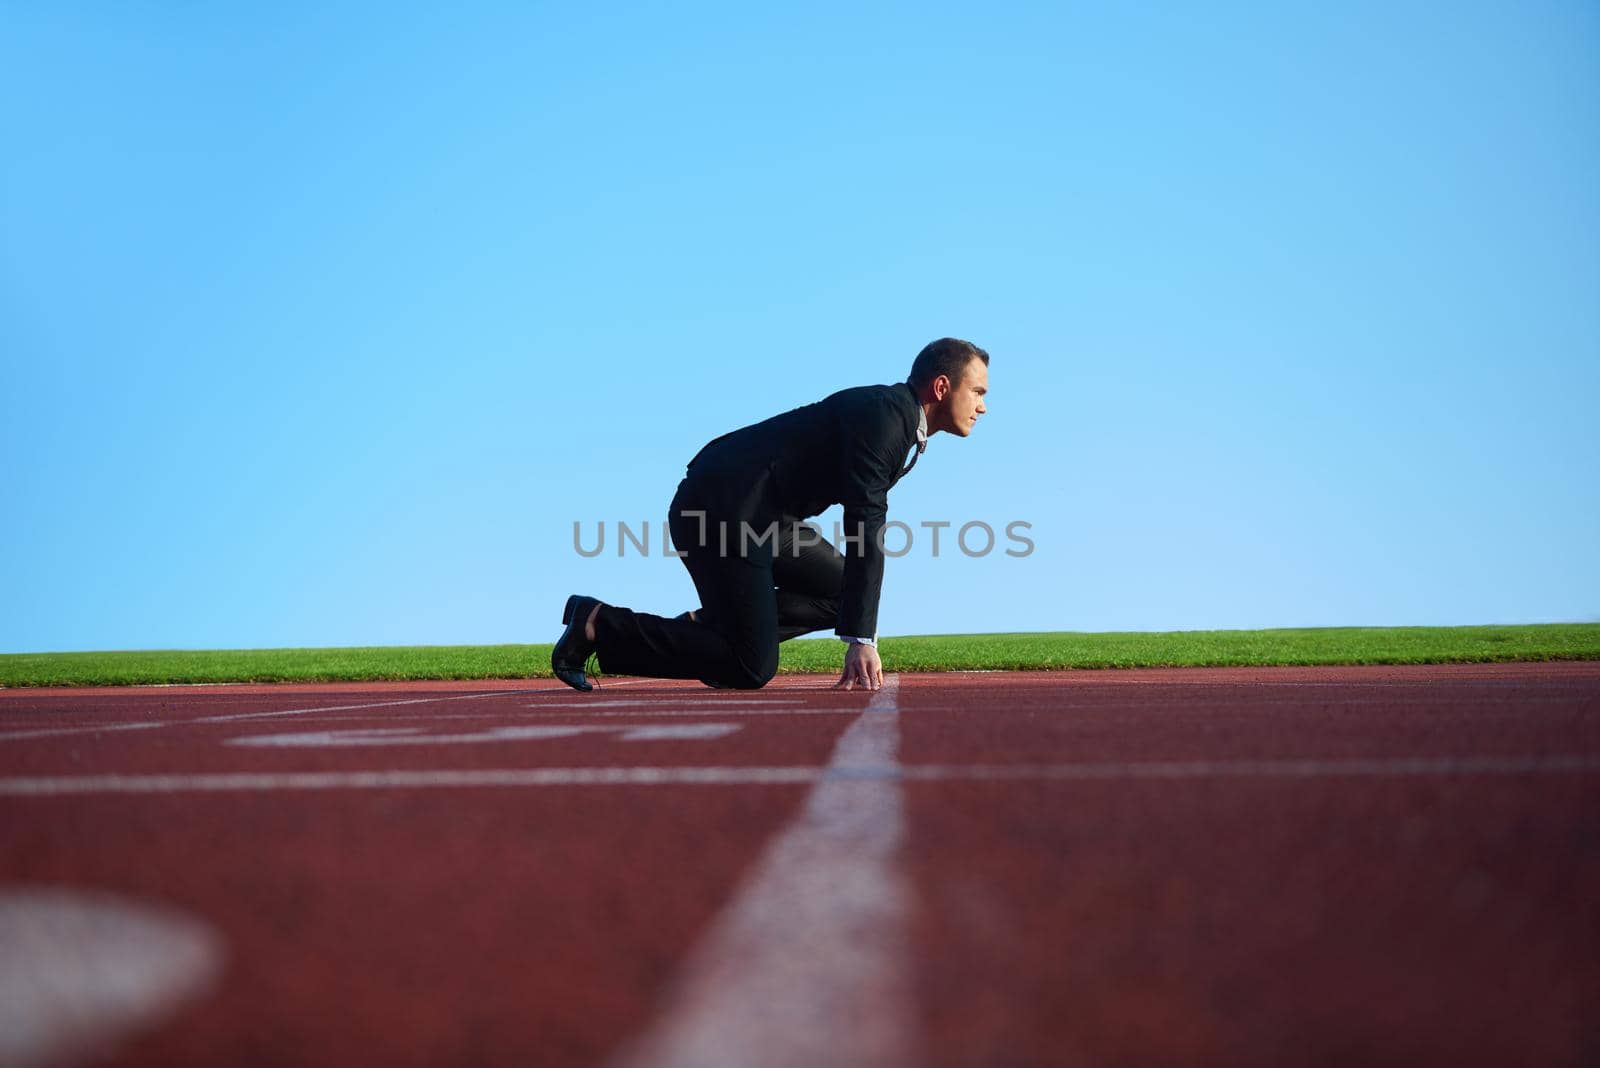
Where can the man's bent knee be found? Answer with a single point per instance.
(751, 675)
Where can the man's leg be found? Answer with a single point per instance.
(737, 646)
(810, 575)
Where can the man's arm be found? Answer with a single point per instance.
(870, 456)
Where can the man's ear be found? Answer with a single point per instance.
(941, 386)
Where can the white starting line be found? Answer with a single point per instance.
(810, 963)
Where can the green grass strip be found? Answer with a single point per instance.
(949, 652)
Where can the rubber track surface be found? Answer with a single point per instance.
(1243, 866)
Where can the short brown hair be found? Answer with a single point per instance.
(948, 356)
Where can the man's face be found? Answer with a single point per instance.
(964, 402)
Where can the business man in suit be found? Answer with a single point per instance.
(763, 574)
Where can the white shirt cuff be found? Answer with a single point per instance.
(857, 641)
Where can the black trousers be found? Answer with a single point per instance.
(763, 578)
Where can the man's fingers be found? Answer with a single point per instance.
(864, 668)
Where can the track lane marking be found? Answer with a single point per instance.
(379, 736)
(240, 716)
(59, 732)
(709, 708)
(810, 963)
(84, 970)
(685, 701)
(655, 708)
(715, 775)
(606, 713)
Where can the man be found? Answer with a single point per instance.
(763, 574)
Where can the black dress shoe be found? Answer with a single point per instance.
(572, 648)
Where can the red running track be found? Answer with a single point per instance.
(1242, 866)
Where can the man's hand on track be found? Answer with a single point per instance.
(861, 665)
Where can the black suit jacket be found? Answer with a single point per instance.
(848, 449)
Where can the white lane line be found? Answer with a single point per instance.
(59, 732)
(690, 705)
(1079, 704)
(667, 708)
(55, 732)
(228, 782)
(1420, 682)
(347, 708)
(234, 782)
(706, 702)
(84, 970)
(370, 736)
(605, 713)
(809, 965)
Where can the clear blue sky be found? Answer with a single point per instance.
(322, 327)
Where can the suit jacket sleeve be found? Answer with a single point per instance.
(872, 449)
